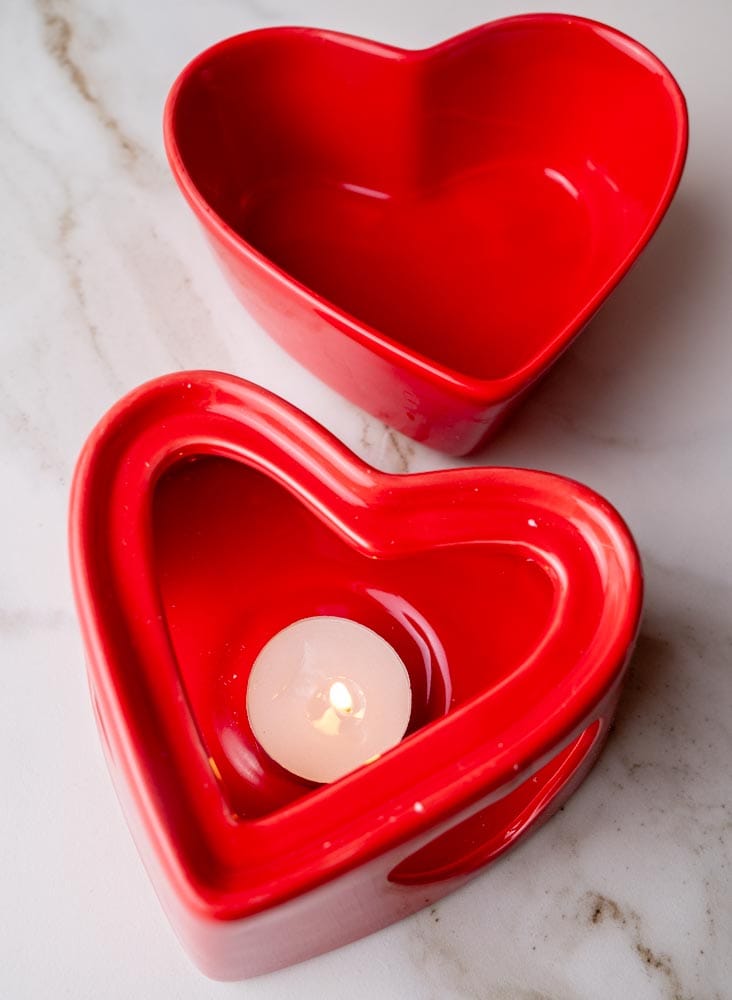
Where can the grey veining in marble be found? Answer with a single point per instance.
(105, 282)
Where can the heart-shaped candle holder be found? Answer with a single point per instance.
(206, 515)
(428, 231)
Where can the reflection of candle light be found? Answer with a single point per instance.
(327, 695)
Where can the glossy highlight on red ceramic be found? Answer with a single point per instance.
(428, 230)
(206, 515)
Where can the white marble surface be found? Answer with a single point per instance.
(106, 282)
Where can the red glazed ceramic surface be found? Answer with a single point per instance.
(206, 515)
(427, 231)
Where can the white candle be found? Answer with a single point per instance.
(326, 695)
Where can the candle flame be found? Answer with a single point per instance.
(340, 698)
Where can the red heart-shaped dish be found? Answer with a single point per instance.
(206, 514)
(428, 230)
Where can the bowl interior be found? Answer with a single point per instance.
(468, 202)
(238, 558)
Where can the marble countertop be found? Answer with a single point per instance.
(106, 282)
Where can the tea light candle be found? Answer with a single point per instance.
(326, 695)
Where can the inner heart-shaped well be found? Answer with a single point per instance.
(473, 203)
(239, 558)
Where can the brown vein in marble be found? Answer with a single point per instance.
(58, 39)
(365, 439)
(441, 958)
(23, 427)
(396, 452)
(601, 908)
(401, 449)
(23, 621)
(464, 979)
(66, 227)
(187, 313)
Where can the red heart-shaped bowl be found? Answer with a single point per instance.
(428, 230)
(207, 514)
